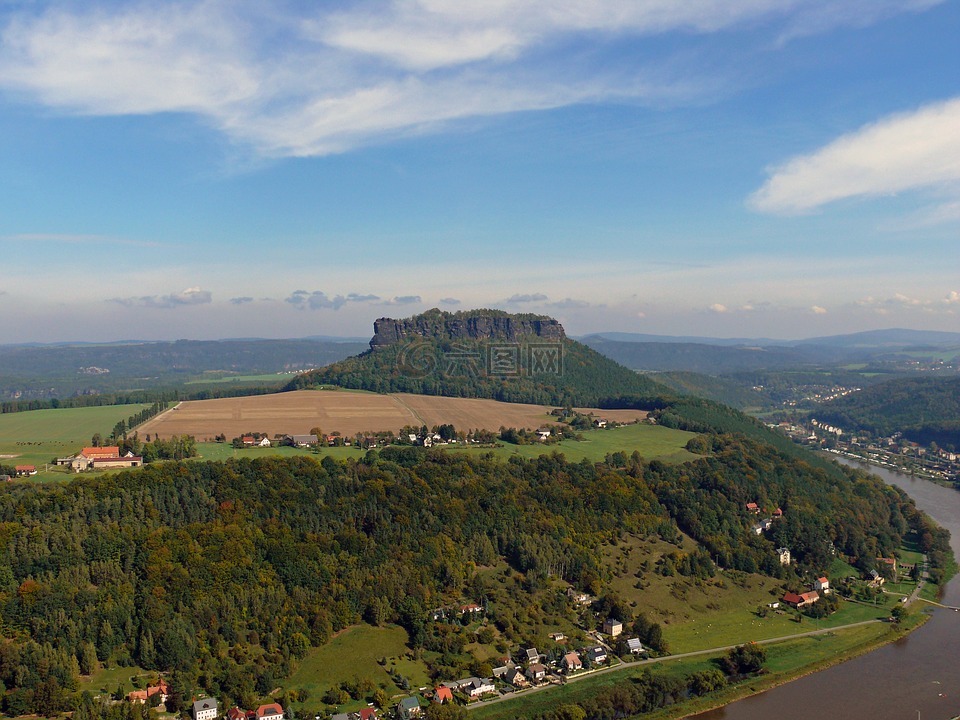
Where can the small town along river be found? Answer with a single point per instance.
(918, 676)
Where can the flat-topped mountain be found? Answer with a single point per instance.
(485, 354)
(476, 325)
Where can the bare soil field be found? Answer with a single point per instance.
(348, 413)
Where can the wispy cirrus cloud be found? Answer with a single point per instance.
(919, 150)
(190, 296)
(315, 79)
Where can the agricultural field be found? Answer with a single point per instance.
(38, 436)
(348, 413)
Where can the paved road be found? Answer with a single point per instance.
(668, 658)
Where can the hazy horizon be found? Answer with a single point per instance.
(223, 169)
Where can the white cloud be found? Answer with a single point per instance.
(911, 151)
(319, 300)
(241, 300)
(952, 298)
(449, 301)
(190, 296)
(526, 298)
(302, 80)
(818, 310)
(404, 300)
(718, 308)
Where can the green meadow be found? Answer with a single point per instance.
(653, 442)
(38, 436)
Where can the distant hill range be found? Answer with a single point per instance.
(924, 409)
(488, 354)
(718, 355)
(50, 371)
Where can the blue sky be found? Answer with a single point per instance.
(782, 168)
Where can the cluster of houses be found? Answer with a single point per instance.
(766, 523)
(208, 708)
(101, 458)
(821, 586)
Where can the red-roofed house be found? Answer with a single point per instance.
(442, 694)
(822, 584)
(236, 713)
(100, 452)
(791, 598)
(809, 598)
(778, 513)
(367, 713)
(23, 470)
(753, 507)
(272, 711)
(141, 696)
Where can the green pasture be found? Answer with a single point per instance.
(227, 379)
(653, 442)
(36, 437)
(353, 654)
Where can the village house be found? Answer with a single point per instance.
(784, 555)
(205, 709)
(532, 655)
(822, 585)
(237, 713)
(271, 711)
(597, 655)
(801, 600)
(537, 672)
(442, 694)
(600, 423)
(557, 636)
(367, 713)
(578, 597)
(25, 470)
(572, 662)
(409, 707)
(753, 508)
(514, 676)
(301, 440)
(141, 696)
(634, 646)
(470, 610)
(543, 434)
(612, 627)
(475, 687)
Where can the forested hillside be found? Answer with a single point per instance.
(227, 573)
(923, 409)
(484, 354)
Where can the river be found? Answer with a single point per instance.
(918, 676)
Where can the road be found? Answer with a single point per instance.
(668, 658)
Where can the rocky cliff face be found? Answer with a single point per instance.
(474, 325)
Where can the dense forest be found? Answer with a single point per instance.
(226, 573)
(924, 409)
